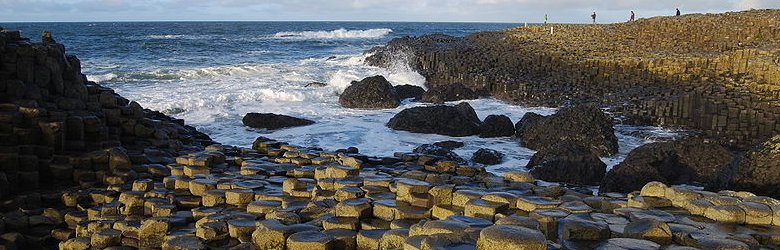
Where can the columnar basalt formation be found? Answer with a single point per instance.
(718, 73)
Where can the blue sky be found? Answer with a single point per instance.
(517, 11)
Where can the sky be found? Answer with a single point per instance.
(512, 11)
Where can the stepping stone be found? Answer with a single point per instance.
(394, 239)
(483, 209)
(370, 239)
(262, 207)
(649, 229)
(511, 237)
(447, 241)
(239, 197)
(357, 208)
(726, 214)
(441, 212)
(654, 189)
(215, 230)
(183, 243)
(517, 220)
(272, 234)
(309, 240)
(461, 197)
(347, 223)
(342, 239)
(518, 176)
(472, 222)
(548, 220)
(757, 213)
(579, 228)
(199, 187)
(106, 238)
(152, 232)
(385, 209)
(240, 228)
(442, 195)
(78, 243)
(531, 203)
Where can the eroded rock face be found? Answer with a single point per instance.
(759, 171)
(459, 120)
(567, 162)
(273, 121)
(370, 93)
(691, 160)
(584, 125)
(449, 93)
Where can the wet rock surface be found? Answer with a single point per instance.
(585, 125)
(370, 93)
(459, 120)
(692, 160)
(567, 162)
(448, 93)
(409, 91)
(273, 121)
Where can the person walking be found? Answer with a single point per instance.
(594, 17)
(545, 19)
(632, 16)
(678, 12)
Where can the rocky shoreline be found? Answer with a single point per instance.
(83, 168)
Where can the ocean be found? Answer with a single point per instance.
(212, 73)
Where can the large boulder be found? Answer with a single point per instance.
(409, 91)
(691, 160)
(449, 93)
(496, 126)
(759, 171)
(567, 162)
(370, 93)
(273, 121)
(458, 120)
(584, 125)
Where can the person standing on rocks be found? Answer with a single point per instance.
(678, 12)
(632, 16)
(545, 19)
(594, 17)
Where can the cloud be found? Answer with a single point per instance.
(757, 4)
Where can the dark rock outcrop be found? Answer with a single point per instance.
(496, 126)
(316, 84)
(759, 171)
(273, 121)
(487, 156)
(449, 93)
(456, 120)
(567, 162)
(409, 91)
(691, 160)
(449, 144)
(370, 93)
(435, 150)
(584, 125)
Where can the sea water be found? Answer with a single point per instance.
(212, 73)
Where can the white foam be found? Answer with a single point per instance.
(102, 77)
(335, 34)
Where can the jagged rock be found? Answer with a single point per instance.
(456, 120)
(409, 91)
(567, 162)
(691, 160)
(496, 126)
(487, 156)
(370, 93)
(316, 84)
(273, 121)
(759, 171)
(585, 125)
(449, 93)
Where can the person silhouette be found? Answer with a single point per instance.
(632, 16)
(545, 19)
(678, 12)
(593, 16)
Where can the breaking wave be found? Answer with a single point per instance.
(335, 34)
